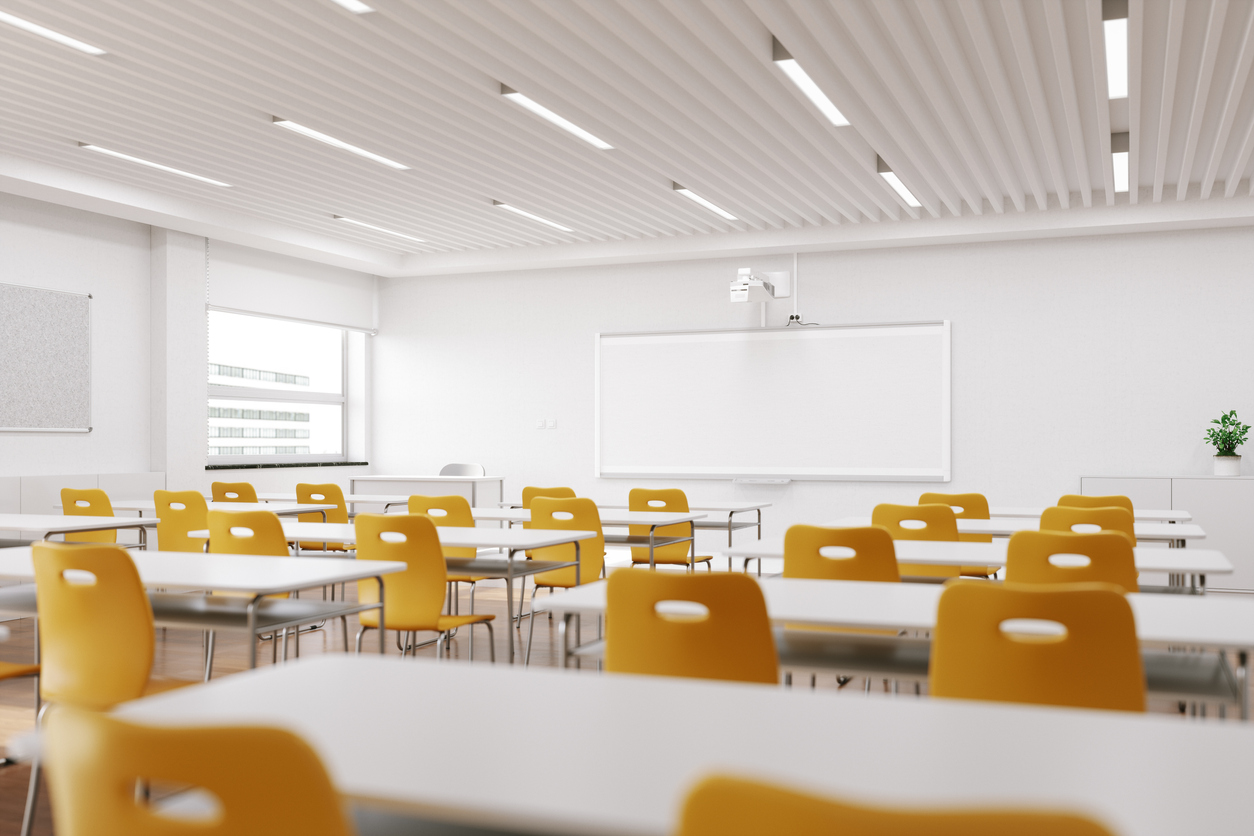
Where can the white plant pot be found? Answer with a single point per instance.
(1227, 465)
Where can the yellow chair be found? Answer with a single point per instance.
(966, 506)
(246, 532)
(265, 780)
(939, 523)
(328, 494)
(179, 512)
(414, 598)
(1075, 500)
(1111, 559)
(1094, 663)
(722, 805)
(732, 640)
(88, 503)
(452, 511)
(233, 492)
(873, 558)
(530, 493)
(1111, 518)
(571, 514)
(668, 500)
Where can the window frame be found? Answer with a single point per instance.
(217, 391)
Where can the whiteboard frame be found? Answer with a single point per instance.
(90, 378)
(831, 475)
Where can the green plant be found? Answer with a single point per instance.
(1230, 435)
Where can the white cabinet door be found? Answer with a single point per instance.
(1224, 508)
(1148, 492)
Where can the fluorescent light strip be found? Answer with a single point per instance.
(784, 60)
(355, 6)
(544, 113)
(150, 164)
(900, 188)
(526, 214)
(1120, 160)
(1116, 57)
(698, 199)
(377, 228)
(36, 29)
(296, 127)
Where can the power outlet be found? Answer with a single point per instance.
(539, 423)
(552, 423)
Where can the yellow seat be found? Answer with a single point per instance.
(569, 514)
(453, 511)
(723, 805)
(1094, 663)
(873, 558)
(966, 506)
(939, 523)
(668, 500)
(530, 493)
(233, 492)
(1075, 500)
(732, 640)
(328, 494)
(247, 532)
(1111, 559)
(265, 780)
(1111, 518)
(179, 512)
(413, 599)
(88, 503)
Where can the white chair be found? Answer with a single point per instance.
(462, 470)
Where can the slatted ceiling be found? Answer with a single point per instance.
(980, 106)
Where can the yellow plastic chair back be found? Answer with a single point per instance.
(548, 513)
(966, 506)
(327, 494)
(1110, 555)
(732, 640)
(265, 780)
(1094, 663)
(1110, 518)
(246, 532)
(233, 492)
(939, 523)
(95, 625)
(873, 557)
(414, 598)
(671, 500)
(446, 510)
(1075, 500)
(180, 512)
(88, 503)
(727, 806)
(530, 493)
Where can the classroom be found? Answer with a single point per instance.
(687, 417)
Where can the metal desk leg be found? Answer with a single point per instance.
(509, 604)
(382, 623)
(143, 538)
(652, 529)
(692, 546)
(563, 641)
(252, 631)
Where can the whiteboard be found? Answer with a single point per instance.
(853, 402)
(45, 360)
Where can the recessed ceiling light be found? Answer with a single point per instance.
(88, 147)
(696, 198)
(337, 143)
(544, 113)
(1116, 57)
(893, 180)
(527, 214)
(1119, 146)
(355, 6)
(784, 60)
(377, 228)
(43, 32)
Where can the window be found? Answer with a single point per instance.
(276, 390)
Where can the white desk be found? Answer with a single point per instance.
(621, 773)
(1194, 563)
(248, 574)
(731, 509)
(1173, 534)
(616, 517)
(386, 500)
(282, 509)
(47, 525)
(1139, 514)
(475, 488)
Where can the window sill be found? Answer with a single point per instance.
(283, 464)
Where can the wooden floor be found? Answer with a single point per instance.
(179, 655)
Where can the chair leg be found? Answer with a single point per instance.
(32, 789)
(360, 633)
(531, 630)
(209, 655)
(491, 642)
(344, 624)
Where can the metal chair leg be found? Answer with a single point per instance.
(491, 642)
(32, 789)
(531, 630)
(209, 655)
(344, 624)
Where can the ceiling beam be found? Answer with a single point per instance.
(1101, 93)
(1171, 69)
(1236, 89)
(1057, 26)
(1201, 92)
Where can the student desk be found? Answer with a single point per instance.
(474, 488)
(615, 517)
(1139, 514)
(386, 500)
(731, 509)
(46, 525)
(1175, 535)
(255, 576)
(608, 768)
(1212, 622)
(1196, 564)
(282, 509)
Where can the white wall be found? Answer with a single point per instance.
(1071, 357)
(50, 246)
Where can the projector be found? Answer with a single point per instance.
(749, 286)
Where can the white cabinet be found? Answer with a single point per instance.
(1145, 492)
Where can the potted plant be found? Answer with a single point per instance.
(1229, 435)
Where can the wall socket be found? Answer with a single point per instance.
(546, 423)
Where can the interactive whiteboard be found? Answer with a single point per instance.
(45, 360)
(853, 402)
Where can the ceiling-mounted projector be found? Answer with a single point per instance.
(749, 286)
